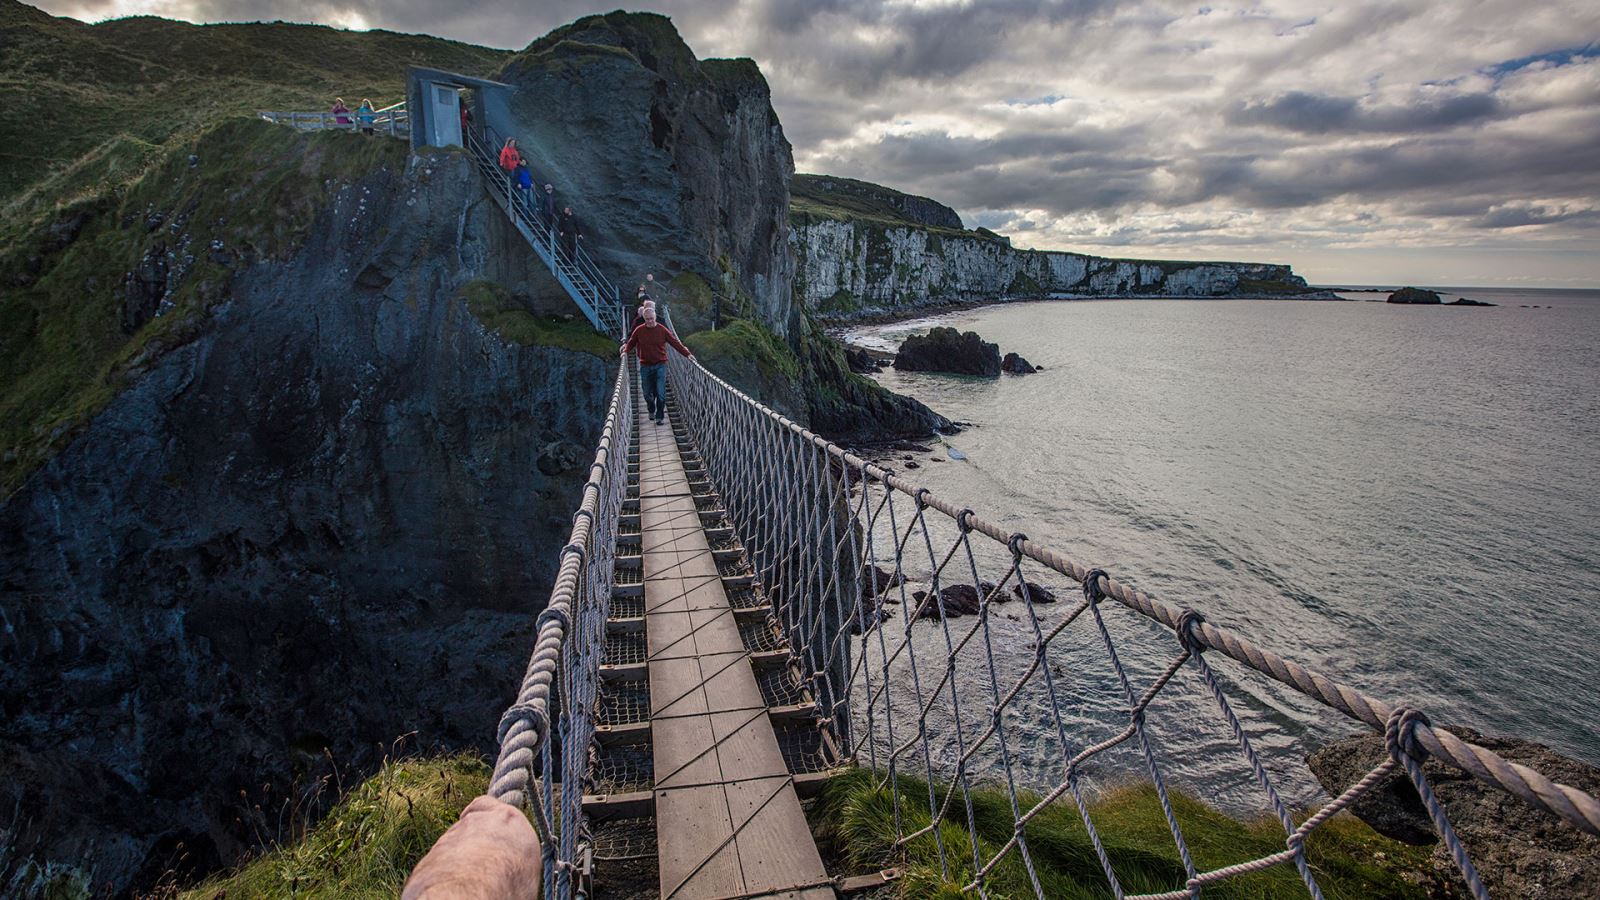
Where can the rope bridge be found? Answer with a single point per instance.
(925, 681)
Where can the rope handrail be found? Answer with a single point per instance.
(545, 734)
(817, 519)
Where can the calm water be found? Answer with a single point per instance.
(1403, 498)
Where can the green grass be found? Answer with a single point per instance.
(743, 343)
(64, 353)
(852, 199)
(855, 822)
(368, 843)
(82, 107)
(495, 308)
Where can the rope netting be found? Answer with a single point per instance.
(891, 601)
(546, 734)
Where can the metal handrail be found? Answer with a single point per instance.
(393, 120)
(578, 269)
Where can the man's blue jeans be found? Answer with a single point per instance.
(653, 381)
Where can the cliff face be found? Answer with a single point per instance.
(848, 267)
(322, 522)
(676, 166)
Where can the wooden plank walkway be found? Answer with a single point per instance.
(728, 821)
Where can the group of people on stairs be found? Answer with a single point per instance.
(649, 337)
(566, 226)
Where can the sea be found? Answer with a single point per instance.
(1403, 498)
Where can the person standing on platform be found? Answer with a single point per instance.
(651, 340)
(510, 156)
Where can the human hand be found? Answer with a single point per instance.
(491, 853)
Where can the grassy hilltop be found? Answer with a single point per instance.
(98, 123)
(84, 107)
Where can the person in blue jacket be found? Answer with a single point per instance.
(524, 182)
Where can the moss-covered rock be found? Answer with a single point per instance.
(494, 306)
(860, 815)
(812, 384)
(118, 279)
(94, 104)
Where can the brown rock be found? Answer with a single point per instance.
(1518, 851)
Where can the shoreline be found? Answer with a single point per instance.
(834, 325)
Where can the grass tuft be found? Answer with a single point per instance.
(855, 822)
(368, 843)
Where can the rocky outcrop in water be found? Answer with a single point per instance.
(1518, 851)
(948, 350)
(324, 522)
(1464, 301)
(1014, 364)
(1415, 296)
(849, 267)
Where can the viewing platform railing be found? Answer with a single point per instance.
(390, 120)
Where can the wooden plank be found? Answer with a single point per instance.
(683, 595)
(684, 752)
(776, 851)
(697, 860)
(677, 688)
(729, 822)
(746, 745)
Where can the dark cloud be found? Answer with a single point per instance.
(1520, 216)
(1157, 122)
(1318, 114)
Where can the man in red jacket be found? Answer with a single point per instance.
(651, 340)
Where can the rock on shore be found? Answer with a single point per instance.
(1518, 851)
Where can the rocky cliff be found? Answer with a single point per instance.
(677, 166)
(320, 520)
(868, 201)
(853, 260)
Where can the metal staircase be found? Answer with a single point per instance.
(577, 273)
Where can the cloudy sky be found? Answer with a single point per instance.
(1453, 142)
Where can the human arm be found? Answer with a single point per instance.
(491, 853)
(673, 340)
(627, 345)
